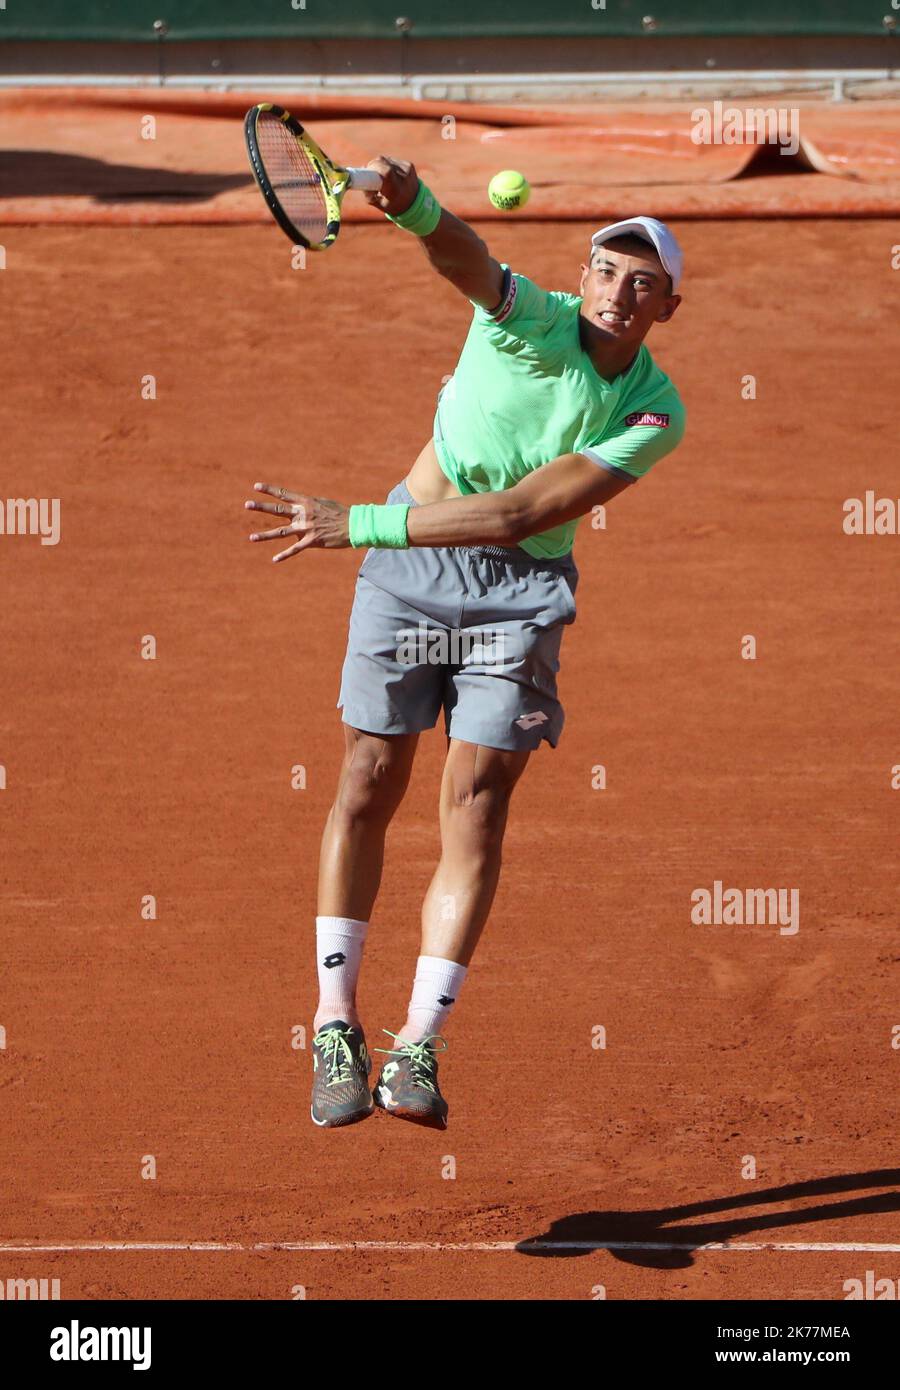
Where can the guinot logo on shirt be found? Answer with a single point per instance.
(647, 417)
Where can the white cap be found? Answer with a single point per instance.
(658, 235)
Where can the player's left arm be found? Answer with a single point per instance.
(566, 488)
(559, 491)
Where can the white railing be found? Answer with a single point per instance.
(420, 86)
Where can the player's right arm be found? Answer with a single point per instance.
(453, 248)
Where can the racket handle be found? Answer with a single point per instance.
(367, 180)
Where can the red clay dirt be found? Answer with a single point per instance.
(151, 157)
(126, 777)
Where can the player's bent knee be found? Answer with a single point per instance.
(483, 778)
(373, 781)
(480, 811)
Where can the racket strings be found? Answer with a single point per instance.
(294, 177)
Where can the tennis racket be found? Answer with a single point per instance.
(303, 189)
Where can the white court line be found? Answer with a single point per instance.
(411, 1246)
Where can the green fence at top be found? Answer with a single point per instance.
(174, 20)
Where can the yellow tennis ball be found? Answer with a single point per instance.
(509, 190)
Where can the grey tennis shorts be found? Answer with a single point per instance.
(474, 631)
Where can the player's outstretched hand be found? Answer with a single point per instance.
(400, 184)
(316, 521)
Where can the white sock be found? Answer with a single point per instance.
(435, 989)
(339, 949)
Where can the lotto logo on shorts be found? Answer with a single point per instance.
(530, 721)
(647, 417)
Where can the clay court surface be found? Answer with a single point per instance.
(172, 777)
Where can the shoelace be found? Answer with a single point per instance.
(337, 1054)
(420, 1056)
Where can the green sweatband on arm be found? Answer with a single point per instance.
(383, 528)
(422, 216)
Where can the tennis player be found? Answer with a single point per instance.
(555, 407)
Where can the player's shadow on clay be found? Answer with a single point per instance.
(46, 174)
(586, 1231)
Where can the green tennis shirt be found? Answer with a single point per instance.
(525, 391)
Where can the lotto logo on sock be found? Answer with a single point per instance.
(336, 958)
(445, 1002)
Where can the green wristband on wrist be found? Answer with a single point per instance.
(383, 528)
(422, 216)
